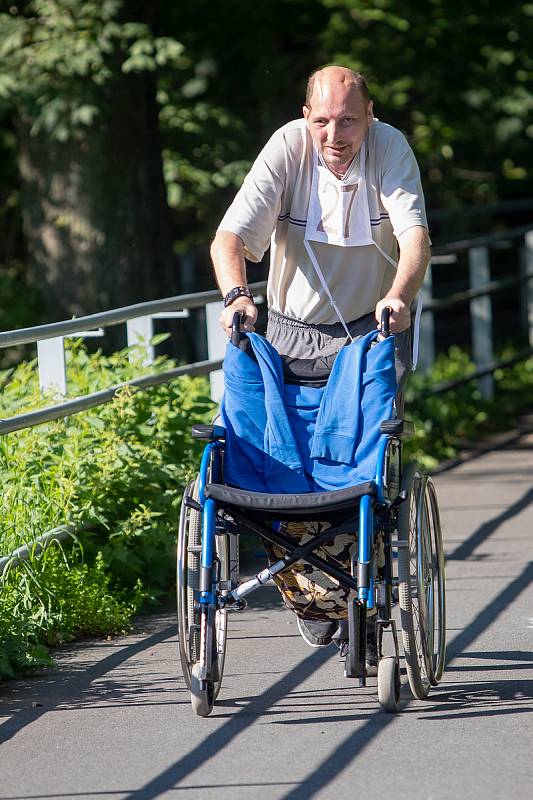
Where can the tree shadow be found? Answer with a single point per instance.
(25, 701)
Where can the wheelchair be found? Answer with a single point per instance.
(396, 515)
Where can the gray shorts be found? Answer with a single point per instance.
(311, 349)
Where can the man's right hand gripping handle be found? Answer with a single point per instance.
(246, 308)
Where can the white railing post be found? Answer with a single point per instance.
(481, 317)
(216, 347)
(426, 342)
(526, 289)
(51, 363)
(140, 332)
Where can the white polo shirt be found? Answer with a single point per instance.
(271, 209)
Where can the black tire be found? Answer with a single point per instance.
(412, 581)
(187, 585)
(389, 684)
(187, 581)
(437, 610)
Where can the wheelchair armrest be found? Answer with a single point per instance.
(209, 433)
(397, 427)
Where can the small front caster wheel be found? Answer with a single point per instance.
(202, 693)
(389, 684)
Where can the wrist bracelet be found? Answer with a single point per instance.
(237, 291)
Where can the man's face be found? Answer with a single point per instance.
(338, 121)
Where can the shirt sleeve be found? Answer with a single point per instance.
(401, 187)
(255, 209)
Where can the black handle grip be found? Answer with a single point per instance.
(236, 334)
(385, 322)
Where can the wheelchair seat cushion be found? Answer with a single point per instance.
(312, 505)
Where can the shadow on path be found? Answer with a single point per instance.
(65, 684)
(485, 530)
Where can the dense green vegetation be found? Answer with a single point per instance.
(117, 473)
(448, 423)
(126, 127)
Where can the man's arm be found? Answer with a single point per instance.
(414, 258)
(227, 253)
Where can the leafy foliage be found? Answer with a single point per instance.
(117, 473)
(54, 55)
(456, 78)
(447, 423)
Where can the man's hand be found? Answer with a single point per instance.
(244, 305)
(400, 319)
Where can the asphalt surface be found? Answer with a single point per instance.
(113, 720)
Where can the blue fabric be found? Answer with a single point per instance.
(297, 439)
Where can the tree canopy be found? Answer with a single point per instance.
(218, 78)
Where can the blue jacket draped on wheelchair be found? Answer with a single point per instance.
(288, 438)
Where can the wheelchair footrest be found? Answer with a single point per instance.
(354, 666)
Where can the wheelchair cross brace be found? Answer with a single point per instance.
(296, 553)
(354, 666)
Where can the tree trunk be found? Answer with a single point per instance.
(95, 213)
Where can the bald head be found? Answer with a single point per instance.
(331, 79)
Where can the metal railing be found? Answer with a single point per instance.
(139, 321)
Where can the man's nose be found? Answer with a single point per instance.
(332, 131)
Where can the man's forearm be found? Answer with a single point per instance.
(414, 258)
(227, 253)
(412, 265)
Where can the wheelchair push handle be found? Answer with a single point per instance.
(384, 326)
(236, 333)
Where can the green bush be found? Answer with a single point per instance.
(447, 423)
(117, 472)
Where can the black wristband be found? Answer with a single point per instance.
(237, 291)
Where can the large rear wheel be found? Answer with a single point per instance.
(437, 588)
(414, 581)
(187, 588)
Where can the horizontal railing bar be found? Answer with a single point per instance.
(523, 204)
(36, 547)
(114, 316)
(480, 241)
(470, 294)
(198, 299)
(70, 407)
(488, 369)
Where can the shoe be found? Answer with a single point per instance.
(340, 639)
(317, 633)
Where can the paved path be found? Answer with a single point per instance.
(114, 720)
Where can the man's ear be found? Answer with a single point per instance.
(370, 111)
(306, 111)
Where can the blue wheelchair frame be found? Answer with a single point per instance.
(362, 578)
